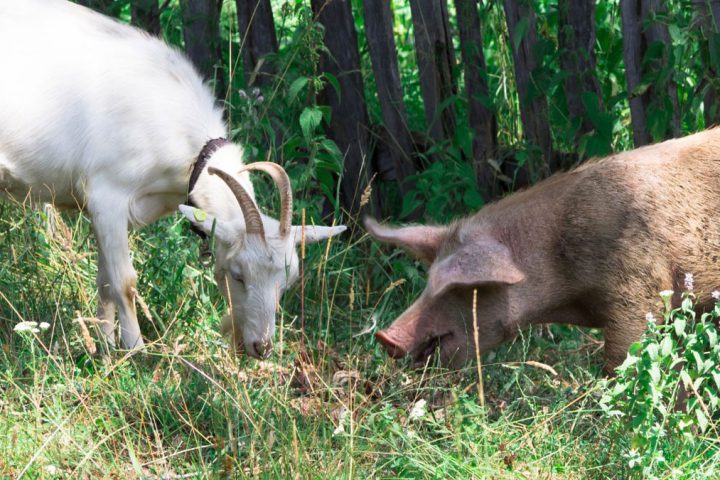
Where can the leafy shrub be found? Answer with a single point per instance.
(662, 401)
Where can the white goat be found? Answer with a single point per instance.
(97, 115)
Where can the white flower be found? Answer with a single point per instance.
(649, 317)
(689, 282)
(715, 295)
(51, 470)
(418, 410)
(26, 327)
(666, 295)
(44, 325)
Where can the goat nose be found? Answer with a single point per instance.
(262, 348)
(390, 344)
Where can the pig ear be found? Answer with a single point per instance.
(480, 263)
(421, 241)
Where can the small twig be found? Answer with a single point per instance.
(85, 333)
(542, 366)
(302, 281)
(368, 329)
(476, 334)
(143, 306)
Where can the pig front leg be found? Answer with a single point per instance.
(617, 343)
(624, 327)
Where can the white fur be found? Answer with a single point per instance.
(97, 115)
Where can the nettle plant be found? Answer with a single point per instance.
(666, 394)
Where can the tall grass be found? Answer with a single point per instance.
(328, 404)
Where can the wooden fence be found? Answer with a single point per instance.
(642, 28)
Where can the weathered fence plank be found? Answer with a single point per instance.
(436, 59)
(577, 58)
(383, 55)
(146, 15)
(349, 126)
(201, 31)
(708, 18)
(257, 39)
(481, 116)
(640, 30)
(521, 22)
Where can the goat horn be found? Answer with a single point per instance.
(282, 181)
(253, 221)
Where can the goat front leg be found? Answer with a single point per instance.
(116, 277)
(106, 301)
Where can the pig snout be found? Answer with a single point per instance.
(392, 346)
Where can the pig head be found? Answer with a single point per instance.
(462, 264)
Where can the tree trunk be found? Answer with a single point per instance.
(708, 18)
(481, 116)
(383, 55)
(577, 58)
(632, 53)
(349, 125)
(637, 14)
(520, 15)
(436, 59)
(201, 31)
(146, 15)
(102, 6)
(657, 31)
(257, 39)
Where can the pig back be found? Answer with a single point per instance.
(635, 223)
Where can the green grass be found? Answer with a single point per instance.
(188, 408)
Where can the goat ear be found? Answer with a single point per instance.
(314, 234)
(421, 241)
(483, 262)
(207, 223)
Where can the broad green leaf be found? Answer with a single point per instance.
(702, 419)
(332, 80)
(635, 348)
(712, 336)
(680, 325)
(716, 378)
(652, 350)
(602, 121)
(685, 377)
(310, 119)
(655, 373)
(296, 86)
(666, 346)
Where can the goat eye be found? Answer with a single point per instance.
(237, 277)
